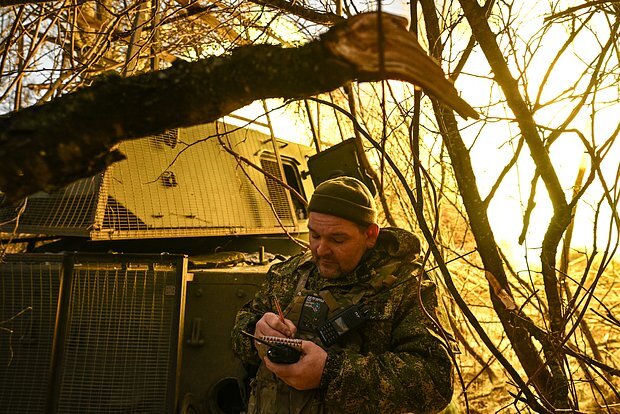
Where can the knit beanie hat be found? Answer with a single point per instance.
(344, 197)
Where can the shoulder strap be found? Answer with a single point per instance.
(384, 276)
(301, 282)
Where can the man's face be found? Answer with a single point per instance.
(337, 244)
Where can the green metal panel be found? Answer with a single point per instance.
(210, 372)
(341, 159)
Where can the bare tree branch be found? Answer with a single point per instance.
(571, 10)
(48, 146)
(7, 3)
(297, 9)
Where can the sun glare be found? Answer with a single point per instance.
(554, 94)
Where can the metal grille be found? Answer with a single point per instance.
(178, 184)
(191, 188)
(117, 334)
(27, 282)
(71, 209)
(169, 137)
(117, 216)
(277, 193)
(122, 333)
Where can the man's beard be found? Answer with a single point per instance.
(329, 268)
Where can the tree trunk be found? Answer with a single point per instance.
(553, 383)
(518, 334)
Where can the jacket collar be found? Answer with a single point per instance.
(392, 243)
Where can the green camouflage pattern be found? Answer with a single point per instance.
(397, 362)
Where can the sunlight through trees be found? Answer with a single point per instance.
(532, 185)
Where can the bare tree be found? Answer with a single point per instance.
(554, 346)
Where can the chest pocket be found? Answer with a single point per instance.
(313, 312)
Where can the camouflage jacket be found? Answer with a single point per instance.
(397, 362)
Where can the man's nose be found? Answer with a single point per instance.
(323, 248)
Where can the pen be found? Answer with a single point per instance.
(277, 303)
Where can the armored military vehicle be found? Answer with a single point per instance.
(124, 299)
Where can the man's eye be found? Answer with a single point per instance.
(314, 236)
(338, 241)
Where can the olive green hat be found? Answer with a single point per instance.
(344, 197)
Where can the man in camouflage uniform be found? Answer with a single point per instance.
(394, 362)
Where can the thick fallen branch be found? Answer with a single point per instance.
(49, 146)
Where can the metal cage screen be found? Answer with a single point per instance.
(181, 183)
(117, 333)
(120, 345)
(29, 286)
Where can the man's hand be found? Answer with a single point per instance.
(305, 374)
(271, 325)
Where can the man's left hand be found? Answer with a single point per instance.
(305, 374)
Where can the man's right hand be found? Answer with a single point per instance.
(271, 325)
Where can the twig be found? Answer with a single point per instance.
(10, 331)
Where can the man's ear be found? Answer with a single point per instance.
(372, 232)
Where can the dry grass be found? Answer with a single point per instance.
(489, 388)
